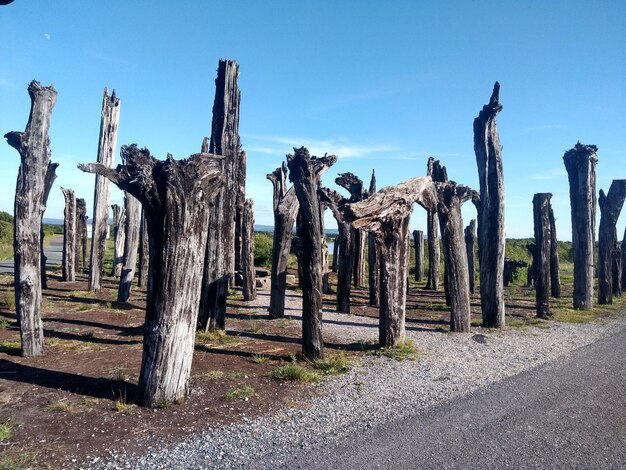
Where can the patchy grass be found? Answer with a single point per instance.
(4, 323)
(106, 304)
(213, 375)
(260, 359)
(5, 430)
(219, 337)
(254, 327)
(517, 321)
(119, 373)
(60, 406)
(9, 299)
(12, 347)
(19, 460)
(570, 315)
(334, 364)
(294, 372)
(52, 341)
(122, 405)
(84, 307)
(404, 352)
(164, 404)
(242, 393)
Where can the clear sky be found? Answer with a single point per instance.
(381, 84)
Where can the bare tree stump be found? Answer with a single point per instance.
(81, 233)
(247, 265)
(48, 181)
(69, 236)
(176, 195)
(144, 252)
(418, 239)
(132, 209)
(617, 271)
(285, 210)
(470, 248)
(541, 217)
(220, 258)
(305, 173)
(33, 146)
(490, 212)
(555, 268)
(580, 163)
(106, 148)
(119, 237)
(610, 208)
(386, 214)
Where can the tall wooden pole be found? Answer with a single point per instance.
(541, 217)
(48, 181)
(470, 248)
(418, 241)
(69, 236)
(81, 233)
(555, 265)
(247, 251)
(144, 252)
(132, 209)
(373, 255)
(106, 148)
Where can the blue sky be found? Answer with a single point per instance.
(383, 85)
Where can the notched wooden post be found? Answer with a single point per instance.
(354, 186)
(176, 195)
(69, 236)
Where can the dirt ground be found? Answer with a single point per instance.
(76, 401)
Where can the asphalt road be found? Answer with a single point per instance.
(53, 250)
(569, 414)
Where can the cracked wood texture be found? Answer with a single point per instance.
(418, 243)
(48, 181)
(81, 234)
(220, 253)
(491, 241)
(543, 241)
(119, 236)
(580, 163)
(610, 208)
(305, 173)
(33, 145)
(373, 255)
(109, 122)
(387, 214)
(555, 266)
(144, 252)
(470, 248)
(285, 210)
(132, 211)
(247, 251)
(69, 236)
(176, 195)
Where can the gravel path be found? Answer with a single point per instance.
(373, 392)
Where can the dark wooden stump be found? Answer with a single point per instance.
(176, 195)
(555, 268)
(119, 236)
(510, 267)
(33, 146)
(373, 255)
(81, 234)
(240, 199)
(541, 217)
(617, 271)
(623, 250)
(144, 252)
(335, 265)
(305, 173)
(418, 240)
(247, 258)
(48, 181)
(69, 236)
(532, 269)
(470, 248)
(580, 163)
(434, 253)
(132, 209)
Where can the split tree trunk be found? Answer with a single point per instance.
(144, 252)
(81, 234)
(470, 248)
(48, 181)
(555, 276)
(490, 212)
(220, 258)
(305, 173)
(106, 148)
(418, 239)
(247, 258)
(541, 217)
(33, 146)
(132, 209)
(580, 163)
(387, 214)
(610, 208)
(285, 211)
(176, 196)
(69, 236)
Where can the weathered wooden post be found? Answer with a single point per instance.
(555, 268)
(106, 148)
(610, 208)
(418, 240)
(434, 253)
(580, 163)
(176, 196)
(617, 270)
(48, 181)
(623, 250)
(69, 236)
(373, 255)
(247, 252)
(470, 248)
(346, 264)
(531, 248)
(132, 210)
(225, 141)
(386, 214)
(240, 200)
(510, 268)
(541, 218)
(144, 252)
(285, 210)
(119, 237)
(305, 173)
(81, 233)
(335, 265)
(33, 145)
(490, 212)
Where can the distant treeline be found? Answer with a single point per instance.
(6, 234)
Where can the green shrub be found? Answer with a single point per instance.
(263, 249)
(293, 372)
(6, 217)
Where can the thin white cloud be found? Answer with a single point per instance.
(47, 36)
(551, 174)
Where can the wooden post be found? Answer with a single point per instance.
(132, 210)
(610, 208)
(285, 209)
(623, 250)
(106, 148)
(240, 199)
(580, 163)
(305, 173)
(470, 248)
(510, 267)
(541, 217)
(176, 195)
(617, 270)
(33, 146)
(69, 236)
(555, 277)
(335, 266)
(434, 253)
(418, 239)
(532, 269)
(119, 237)
(386, 214)
(81, 233)
(220, 258)
(247, 259)
(346, 264)
(490, 212)
(373, 255)
(144, 252)
(48, 181)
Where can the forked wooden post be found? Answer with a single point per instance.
(132, 210)
(33, 146)
(69, 236)
(247, 251)
(541, 217)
